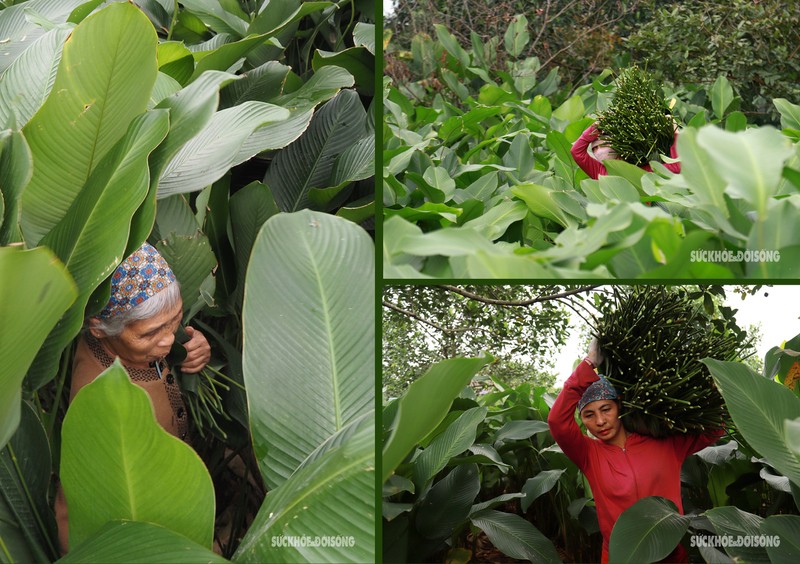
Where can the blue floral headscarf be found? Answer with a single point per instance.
(600, 390)
(140, 276)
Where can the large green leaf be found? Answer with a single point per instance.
(647, 531)
(457, 438)
(209, 155)
(35, 290)
(26, 521)
(117, 462)
(132, 542)
(425, 405)
(750, 161)
(250, 208)
(515, 536)
(308, 336)
(539, 485)
(106, 73)
(448, 503)
(307, 163)
(219, 16)
(27, 81)
(732, 521)
(759, 407)
(92, 236)
(324, 512)
(15, 172)
(357, 60)
(19, 31)
(192, 261)
(787, 529)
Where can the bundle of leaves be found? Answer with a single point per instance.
(637, 124)
(653, 339)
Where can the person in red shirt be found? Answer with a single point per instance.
(621, 467)
(589, 151)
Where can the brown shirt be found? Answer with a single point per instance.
(91, 359)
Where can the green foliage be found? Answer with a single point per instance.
(106, 110)
(654, 340)
(425, 324)
(479, 181)
(750, 43)
(637, 124)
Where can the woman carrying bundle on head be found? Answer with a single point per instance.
(621, 466)
(638, 127)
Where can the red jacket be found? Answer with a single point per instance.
(595, 168)
(620, 477)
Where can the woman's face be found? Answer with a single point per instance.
(146, 340)
(601, 418)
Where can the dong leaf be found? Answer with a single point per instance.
(759, 407)
(787, 529)
(313, 499)
(308, 295)
(35, 290)
(117, 462)
(15, 172)
(732, 521)
(92, 236)
(425, 405)
(104, 79)
(26, 83)
(133, 541)
(647, 531)
(515, 536)
(308, 162)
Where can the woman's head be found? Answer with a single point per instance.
(144, 311)
(599, 411)
(602, 151)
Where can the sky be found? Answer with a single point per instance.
(776, 309)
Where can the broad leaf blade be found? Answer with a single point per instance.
(107, 70)
(136, 542)
(515, 536)
(307, 163)
(311, 502)
(35, 290)
(114, 449)
(647, 531)
(308, 336)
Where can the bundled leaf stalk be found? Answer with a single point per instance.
(637, 124)
(653, 339)
(201, 391)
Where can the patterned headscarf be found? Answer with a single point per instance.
(140, 276)
(600, 390)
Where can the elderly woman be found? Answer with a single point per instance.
(621, 467)
(138, 326)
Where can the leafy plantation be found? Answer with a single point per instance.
(479, 181)
(238, 138)
(478, 476)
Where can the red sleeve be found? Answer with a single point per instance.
(689, 444)
(579, 151)
(561, 419)
(673, 154)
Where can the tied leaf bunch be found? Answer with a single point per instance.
(653, 339)
(638, 124)
(202, 391)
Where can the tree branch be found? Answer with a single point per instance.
(523, 303)
(413, 315)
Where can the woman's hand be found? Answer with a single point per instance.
(198, 351)
(595, 355)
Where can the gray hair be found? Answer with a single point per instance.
(165, 300)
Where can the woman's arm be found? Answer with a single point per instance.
(673, 154)
(579, 151)
(563, 427)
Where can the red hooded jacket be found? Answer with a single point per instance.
(595, 168)
(620, 476)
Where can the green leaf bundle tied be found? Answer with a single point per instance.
(637, 125)
(653, 339)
